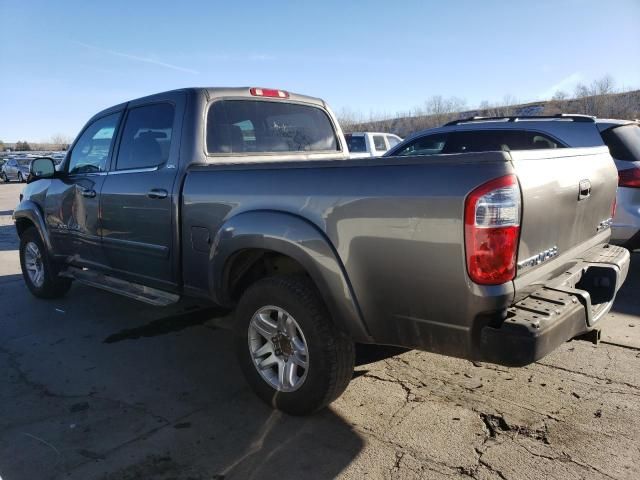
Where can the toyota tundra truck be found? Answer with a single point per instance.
(246, 197)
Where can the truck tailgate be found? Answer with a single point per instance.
(567, 199)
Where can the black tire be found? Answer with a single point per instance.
(52, 286)
(331, 351)
(20, 177)
(4, 178)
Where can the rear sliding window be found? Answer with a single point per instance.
(254, 126)
(623, 142)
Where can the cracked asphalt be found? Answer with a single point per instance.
(96, 386)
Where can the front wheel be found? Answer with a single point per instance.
(37, 269)
(20, 177)
(3, 177)
(290, 352)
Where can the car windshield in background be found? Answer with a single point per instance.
(623, 142)
(254, 126)
(356, 143)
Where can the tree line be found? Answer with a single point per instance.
(57, 142)
(599, 98)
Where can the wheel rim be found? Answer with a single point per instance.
(278, 348)
(33, 263)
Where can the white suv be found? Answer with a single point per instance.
(370, 144)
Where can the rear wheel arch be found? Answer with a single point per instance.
(281, 243)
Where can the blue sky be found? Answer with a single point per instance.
(61, 62)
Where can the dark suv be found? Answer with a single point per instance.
(483, 134)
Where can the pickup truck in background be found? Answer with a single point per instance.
(370, 144)
(246, 197)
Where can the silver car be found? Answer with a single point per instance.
(15, 169)
(478, 134)
(623, 139)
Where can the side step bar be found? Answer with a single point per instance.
(149, 295)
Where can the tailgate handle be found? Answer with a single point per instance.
(584, 189)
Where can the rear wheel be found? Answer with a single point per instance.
(3, 177)
(20, 178)
(291, 353)
(38, 271)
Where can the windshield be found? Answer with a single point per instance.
(623, 142)
(356, 143)
(254, 126)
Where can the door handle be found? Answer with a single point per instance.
(158, 193)
(88, 193)
(584, 189)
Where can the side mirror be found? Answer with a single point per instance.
(43, 167)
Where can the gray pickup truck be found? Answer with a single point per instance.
(245, 197)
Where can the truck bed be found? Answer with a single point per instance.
(396, 226)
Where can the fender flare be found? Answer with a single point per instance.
(29, 210)
(299, 239)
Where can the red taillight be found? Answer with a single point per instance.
(629, 178)
(268, 92)
(492, 231)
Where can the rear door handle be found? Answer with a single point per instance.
(158, 193)
(88, 193)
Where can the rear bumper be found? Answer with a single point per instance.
(558, 311)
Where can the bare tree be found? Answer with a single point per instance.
(559, 96)
(599, 97)
(60, 141)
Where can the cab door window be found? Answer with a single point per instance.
(378, 142)
(92, 150)
(146, 137)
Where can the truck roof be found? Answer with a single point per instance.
(216, 92)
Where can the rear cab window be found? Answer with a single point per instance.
(356, 143)
(263, 127)
(623, 142)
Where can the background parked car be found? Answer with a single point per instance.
(370, 144)
(560, 131)
(15, 169)
(623, 139)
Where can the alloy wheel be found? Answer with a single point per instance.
(278, 348)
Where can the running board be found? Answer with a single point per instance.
(142, 293)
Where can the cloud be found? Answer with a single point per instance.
(566, 84)
(137, 58)
(261, 57)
